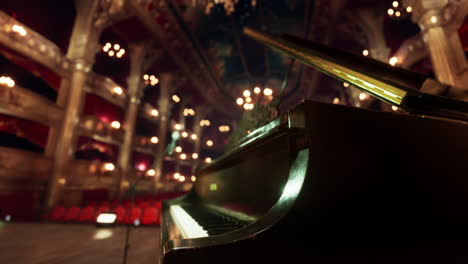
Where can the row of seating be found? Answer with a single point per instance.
(144, 210)
(89, 214)
(126, 204)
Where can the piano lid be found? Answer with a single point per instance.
(391, 84)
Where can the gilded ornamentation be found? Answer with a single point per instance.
(27, 42)
(109, 11)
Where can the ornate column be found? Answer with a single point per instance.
(164, 107)
(134, 91)
(142, 57)
(439, 21)
(92, 17)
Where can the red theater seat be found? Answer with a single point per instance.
(143, 205)
(150, 216)
(134, 215)
(121, 214)
(57, 213)
(156, 204)
(86, 215)
(72, 214)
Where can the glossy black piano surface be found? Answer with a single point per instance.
(334, 184)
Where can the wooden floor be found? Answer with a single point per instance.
(41, 243)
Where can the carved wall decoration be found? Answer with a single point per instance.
(32, 45)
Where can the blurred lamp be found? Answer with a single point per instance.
(106, 219)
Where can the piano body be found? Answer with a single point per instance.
(328, 183)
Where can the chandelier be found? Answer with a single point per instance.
(229, 5)
(398, 11)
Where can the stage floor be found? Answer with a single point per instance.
(44, 243)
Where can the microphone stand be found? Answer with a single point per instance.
(132, 190)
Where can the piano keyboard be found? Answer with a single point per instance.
(196, 221)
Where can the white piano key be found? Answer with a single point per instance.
(188, 227)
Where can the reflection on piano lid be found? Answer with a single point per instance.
(391, 84)
(330, 184)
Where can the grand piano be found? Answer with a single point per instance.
(328, 183)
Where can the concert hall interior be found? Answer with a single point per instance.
(112, 109)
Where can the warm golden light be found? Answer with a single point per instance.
(209, 143)
(189, 111)
(205, 122)
(246, 93)
(115, 124)
(240, 101)
(154, 112)
(208, 160)
(257, 90)
(175, 98)
(178, 126)
(336, 100)
(365, 52)
(182, 178)
(194, 136)
(394, 108)
(409, 9)
(248, 106)
(145, 77)
(154, 81)
(178, 149)
(248, 100)
(106, 47)
(151, 172)
(116, 46)
(393, 61)
(109, 166)
(397, 13)
(433, 19)
(176, 175)
(193, 178)
(195, 156)
(223, 128)
(390, 12)
(19, 29)
(346, 84)
(268, 91)
(154, 140)
(111, 53)
(362, 96)
(117, 90)
(395, 4)
(7, 81)
(183, 156)
(184, 134)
